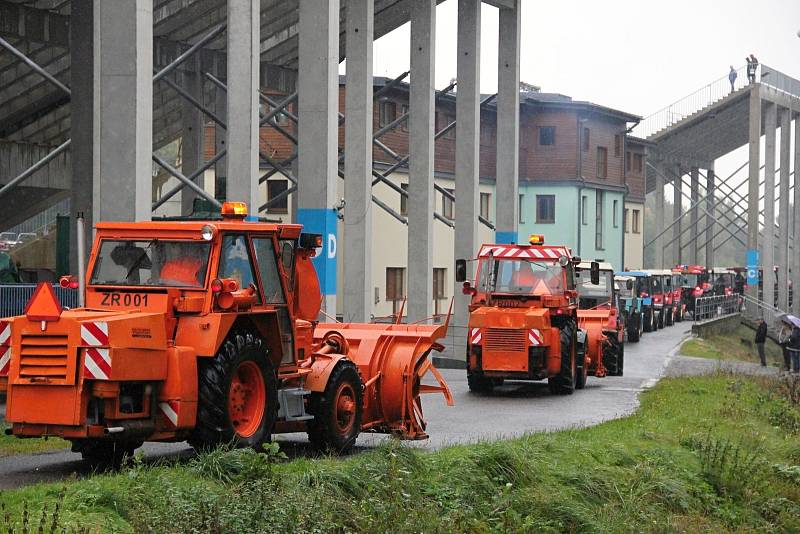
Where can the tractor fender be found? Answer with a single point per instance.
(321, 370)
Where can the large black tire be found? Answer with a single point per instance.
(338, 410)
(648, 320)
(215, 425)
(635, 328)
(669, 320)
(582, 368)
(564, 382)
(613, 353)
(679, 315)
(105, 453)
(479, 383)
(660, 320)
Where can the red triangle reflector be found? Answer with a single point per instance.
(44, 305)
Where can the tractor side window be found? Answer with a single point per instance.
(287, 258)
(268, 268)
(235, 261)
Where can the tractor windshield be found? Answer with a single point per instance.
(695, 280)
(587, 289)
(521, 277)
(624, 290)
(155, 263)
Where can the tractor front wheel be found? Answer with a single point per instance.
(480, 384)
(635, 328)
(337, 411)
(647, 319)
(613, 354)
(564, 382)
(237, 395)
(670, 317)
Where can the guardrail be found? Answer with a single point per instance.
(717, 306)
(14, 297)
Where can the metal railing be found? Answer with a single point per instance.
(716, 306)
(780, 81)
(14, 297)
(44, 220)
(755, 309)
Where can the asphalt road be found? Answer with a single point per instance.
(511, 410)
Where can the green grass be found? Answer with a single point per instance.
(738, 346)
(704, 454)
(10, 445)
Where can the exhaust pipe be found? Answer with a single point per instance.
(140, 428)
(81, 260)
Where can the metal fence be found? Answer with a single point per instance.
(780, 81)
(14, 297)
(719, 306)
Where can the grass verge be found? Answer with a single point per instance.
(738, 346)
(704, 454)
(10, 445)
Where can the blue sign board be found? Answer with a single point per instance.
(324, 222)
(752, 267)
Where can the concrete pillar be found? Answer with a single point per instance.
(467, 145)
(694, 215)
(796, 238)
(422, 125)
(220, 144)
(82, 123)
(659, 243)
(508, 67)
(785, 216)
(193, 137)
(318, 102)
(711, 206)
(677, 211)
(123, 110)
(357, 238)
(768, 247)
(244, 54)
(754, 164)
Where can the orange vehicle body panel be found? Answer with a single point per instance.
(596, 322)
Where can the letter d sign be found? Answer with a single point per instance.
(331, 246)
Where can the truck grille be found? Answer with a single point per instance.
(497, 339)
(44, 356)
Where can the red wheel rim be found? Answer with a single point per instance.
(246, 398)
(345, 408)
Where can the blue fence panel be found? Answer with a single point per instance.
(14, 297)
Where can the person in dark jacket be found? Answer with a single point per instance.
(761, 338)
(794, 349)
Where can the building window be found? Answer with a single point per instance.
(545, 209)
(602, 162)
(447, 205)
(388, 113)
(617, 145)
(404, 111)
(586, 139)
(404, 200)
(486, 198)
(614, 217)
(635, 222)
(584, 210)
(439, 289)
(280, 118)
(628, 157)
(521, 209)
(395, 284)
(598, 220)
(547, 135)
(638, 162)
(625, 220)
(442, 121)
(276, 188)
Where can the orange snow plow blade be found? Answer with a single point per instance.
(392, 360)
(594, 321)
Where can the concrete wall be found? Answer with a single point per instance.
(718, 326)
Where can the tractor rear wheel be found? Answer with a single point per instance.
(582, 368)
(237, 395)
(337, 411)
(613, 354)
(647, 319)
(105, 453)
(564, 382)
(669, 318)
(633, 327)
(480, 384)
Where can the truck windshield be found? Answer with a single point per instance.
(155, 263)
(586, 289)
(521, 277)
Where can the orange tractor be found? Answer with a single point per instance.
(599, 317)
(207, 331)
(523, 322)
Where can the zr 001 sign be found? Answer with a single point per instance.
(124, 299)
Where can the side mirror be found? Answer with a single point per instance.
(461, 270)
(595, 273)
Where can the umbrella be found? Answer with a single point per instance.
(790, 319)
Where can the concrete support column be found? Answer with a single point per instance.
(82, 123)
(768, 247)
(507, 218)
(467, 144)
(357, 238)
(659, 243)
(796, 237)
(244, 54)
(694, 215)
(785, 215)
(193, 136)
(754, 164)
(123, 110)
(711, 206)
(677, 211)
(422, 125)
(318, 103)
(220, 144)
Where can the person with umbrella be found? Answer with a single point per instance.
(790, 341)
(794, 350)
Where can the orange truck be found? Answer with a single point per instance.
(207, 331)
(523, 322)
(599, 316)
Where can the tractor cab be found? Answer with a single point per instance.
(599, 316)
